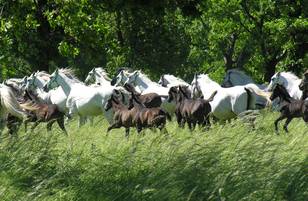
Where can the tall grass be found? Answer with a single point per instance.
(227, 162)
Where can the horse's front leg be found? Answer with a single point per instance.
(82, 121)
(285, 127)
(282, 116)
(114, 125)
(126, 132)
(60, 121)
(49, 125)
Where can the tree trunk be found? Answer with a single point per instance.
(45, 46)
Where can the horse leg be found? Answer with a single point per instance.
(82, 121)
(2, 125)
(91, 119)
(282, 116)
(114, 125)
(26, 124)
(35, 124)
(285, 127)
(126, 132)
(49, 125)
(189, 122)
(60, 122)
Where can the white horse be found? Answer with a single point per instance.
(9, 104)
(168, 80)
(228, 102)
(81, 99)
(290, 81)
(235, 77)
(35, 82)
(98, 76)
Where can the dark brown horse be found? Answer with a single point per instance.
(192, 111)
(37, 113)
(149, 100)
(147, 117)
(290, 107)
(48, 113)
(123, 117)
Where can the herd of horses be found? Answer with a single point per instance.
(131, 99)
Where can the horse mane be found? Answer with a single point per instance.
(289, 75)
(177, 78)
(70, 74)
(101, 70)
(145, 77)
(130, 70)
(43, 73)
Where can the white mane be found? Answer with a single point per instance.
(145, 78)
(101, 71)
(70, 74)
(288, 75)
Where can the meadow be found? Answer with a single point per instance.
(229, 161)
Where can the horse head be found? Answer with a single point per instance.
(162, 81)
(90, 77)
(52, 83)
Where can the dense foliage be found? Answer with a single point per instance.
(167, 36)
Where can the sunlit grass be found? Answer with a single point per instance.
(228, 162)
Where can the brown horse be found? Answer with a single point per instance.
(291, 108)
(192, 111)
(147, 117)
(48, 113)
(149, 100)
(123, 117)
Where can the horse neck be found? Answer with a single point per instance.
(143, 82)
(66, 84)
(209, 86)
(101, 79)
(284, 95)
(117, 106)
(41, 94)
(291, 82)
(40, 82)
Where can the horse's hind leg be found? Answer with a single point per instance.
(277, 120)
(2, 124)
(285, 127)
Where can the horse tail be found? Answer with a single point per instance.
(250, 99)
(10, 104)
(261, 93)
(29, 106)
